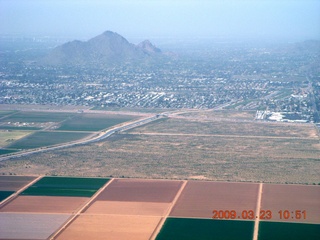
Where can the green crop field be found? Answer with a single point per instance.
(64, 186)
(292, 231)
(43, 139)
(6, 151)
(203, 229)
(8, 137)
(5, 113)
(93, 122)
(37, 117)
(5, 194)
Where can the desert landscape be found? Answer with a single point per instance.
(211, 145)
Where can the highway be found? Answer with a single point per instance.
(101, 136)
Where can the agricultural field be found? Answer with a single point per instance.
(8, 137)
(5, 194)
(10, 184)
(199, 198)
(4, 113)
(39, 117)
(205, 229)
(125, 209)
(43, 139)
(140, 190)
(31, 226)
(24, 128)
(296, 203)
(21, 130)
(7, 151)
(93, 122)
(292, 231)
(120, 227)
(141, 209)
(14, 183)
(61, 186)
(45, 204)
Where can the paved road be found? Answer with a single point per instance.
(101, 136)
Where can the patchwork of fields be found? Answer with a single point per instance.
(120, 208)
(23, 130)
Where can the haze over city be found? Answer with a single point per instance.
(293, 20)
(159, 119)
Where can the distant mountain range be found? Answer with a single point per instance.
(105, 49)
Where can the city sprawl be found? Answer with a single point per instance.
(277, 78)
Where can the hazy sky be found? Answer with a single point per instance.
(297, 19)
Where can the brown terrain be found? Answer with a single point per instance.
(292, 198)
(206, 145)
(125, 209)
(200, 199)
(44, 204)
(140, 190)
(110, 227)
(128, 208)
(14, 183)
(30, 226)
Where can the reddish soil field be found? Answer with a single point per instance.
(44, 204)
(140, 190)
(128, 208)
(292, 198)
(14, 183)
(30, 226)
(199, 199)
(110, 227)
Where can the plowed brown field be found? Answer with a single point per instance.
(199, 199)
(140, 190)
(30, 226)
(110, 227)
(44, 204)
(128, 208)
(14, 183)
(292, 198)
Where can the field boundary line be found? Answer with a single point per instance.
(163, 219)
(220, 135)
(256, 221)
(16, 194)
(64, 226)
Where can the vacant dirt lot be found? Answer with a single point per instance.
(233, 127)
(200, 199)
(114, 226)
(40, 204)
(292, 198)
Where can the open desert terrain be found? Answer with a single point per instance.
(208, 145)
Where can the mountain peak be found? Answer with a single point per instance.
(148, 47)
(106, 48)
(111, 34)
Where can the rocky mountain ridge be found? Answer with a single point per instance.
(106, 48)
